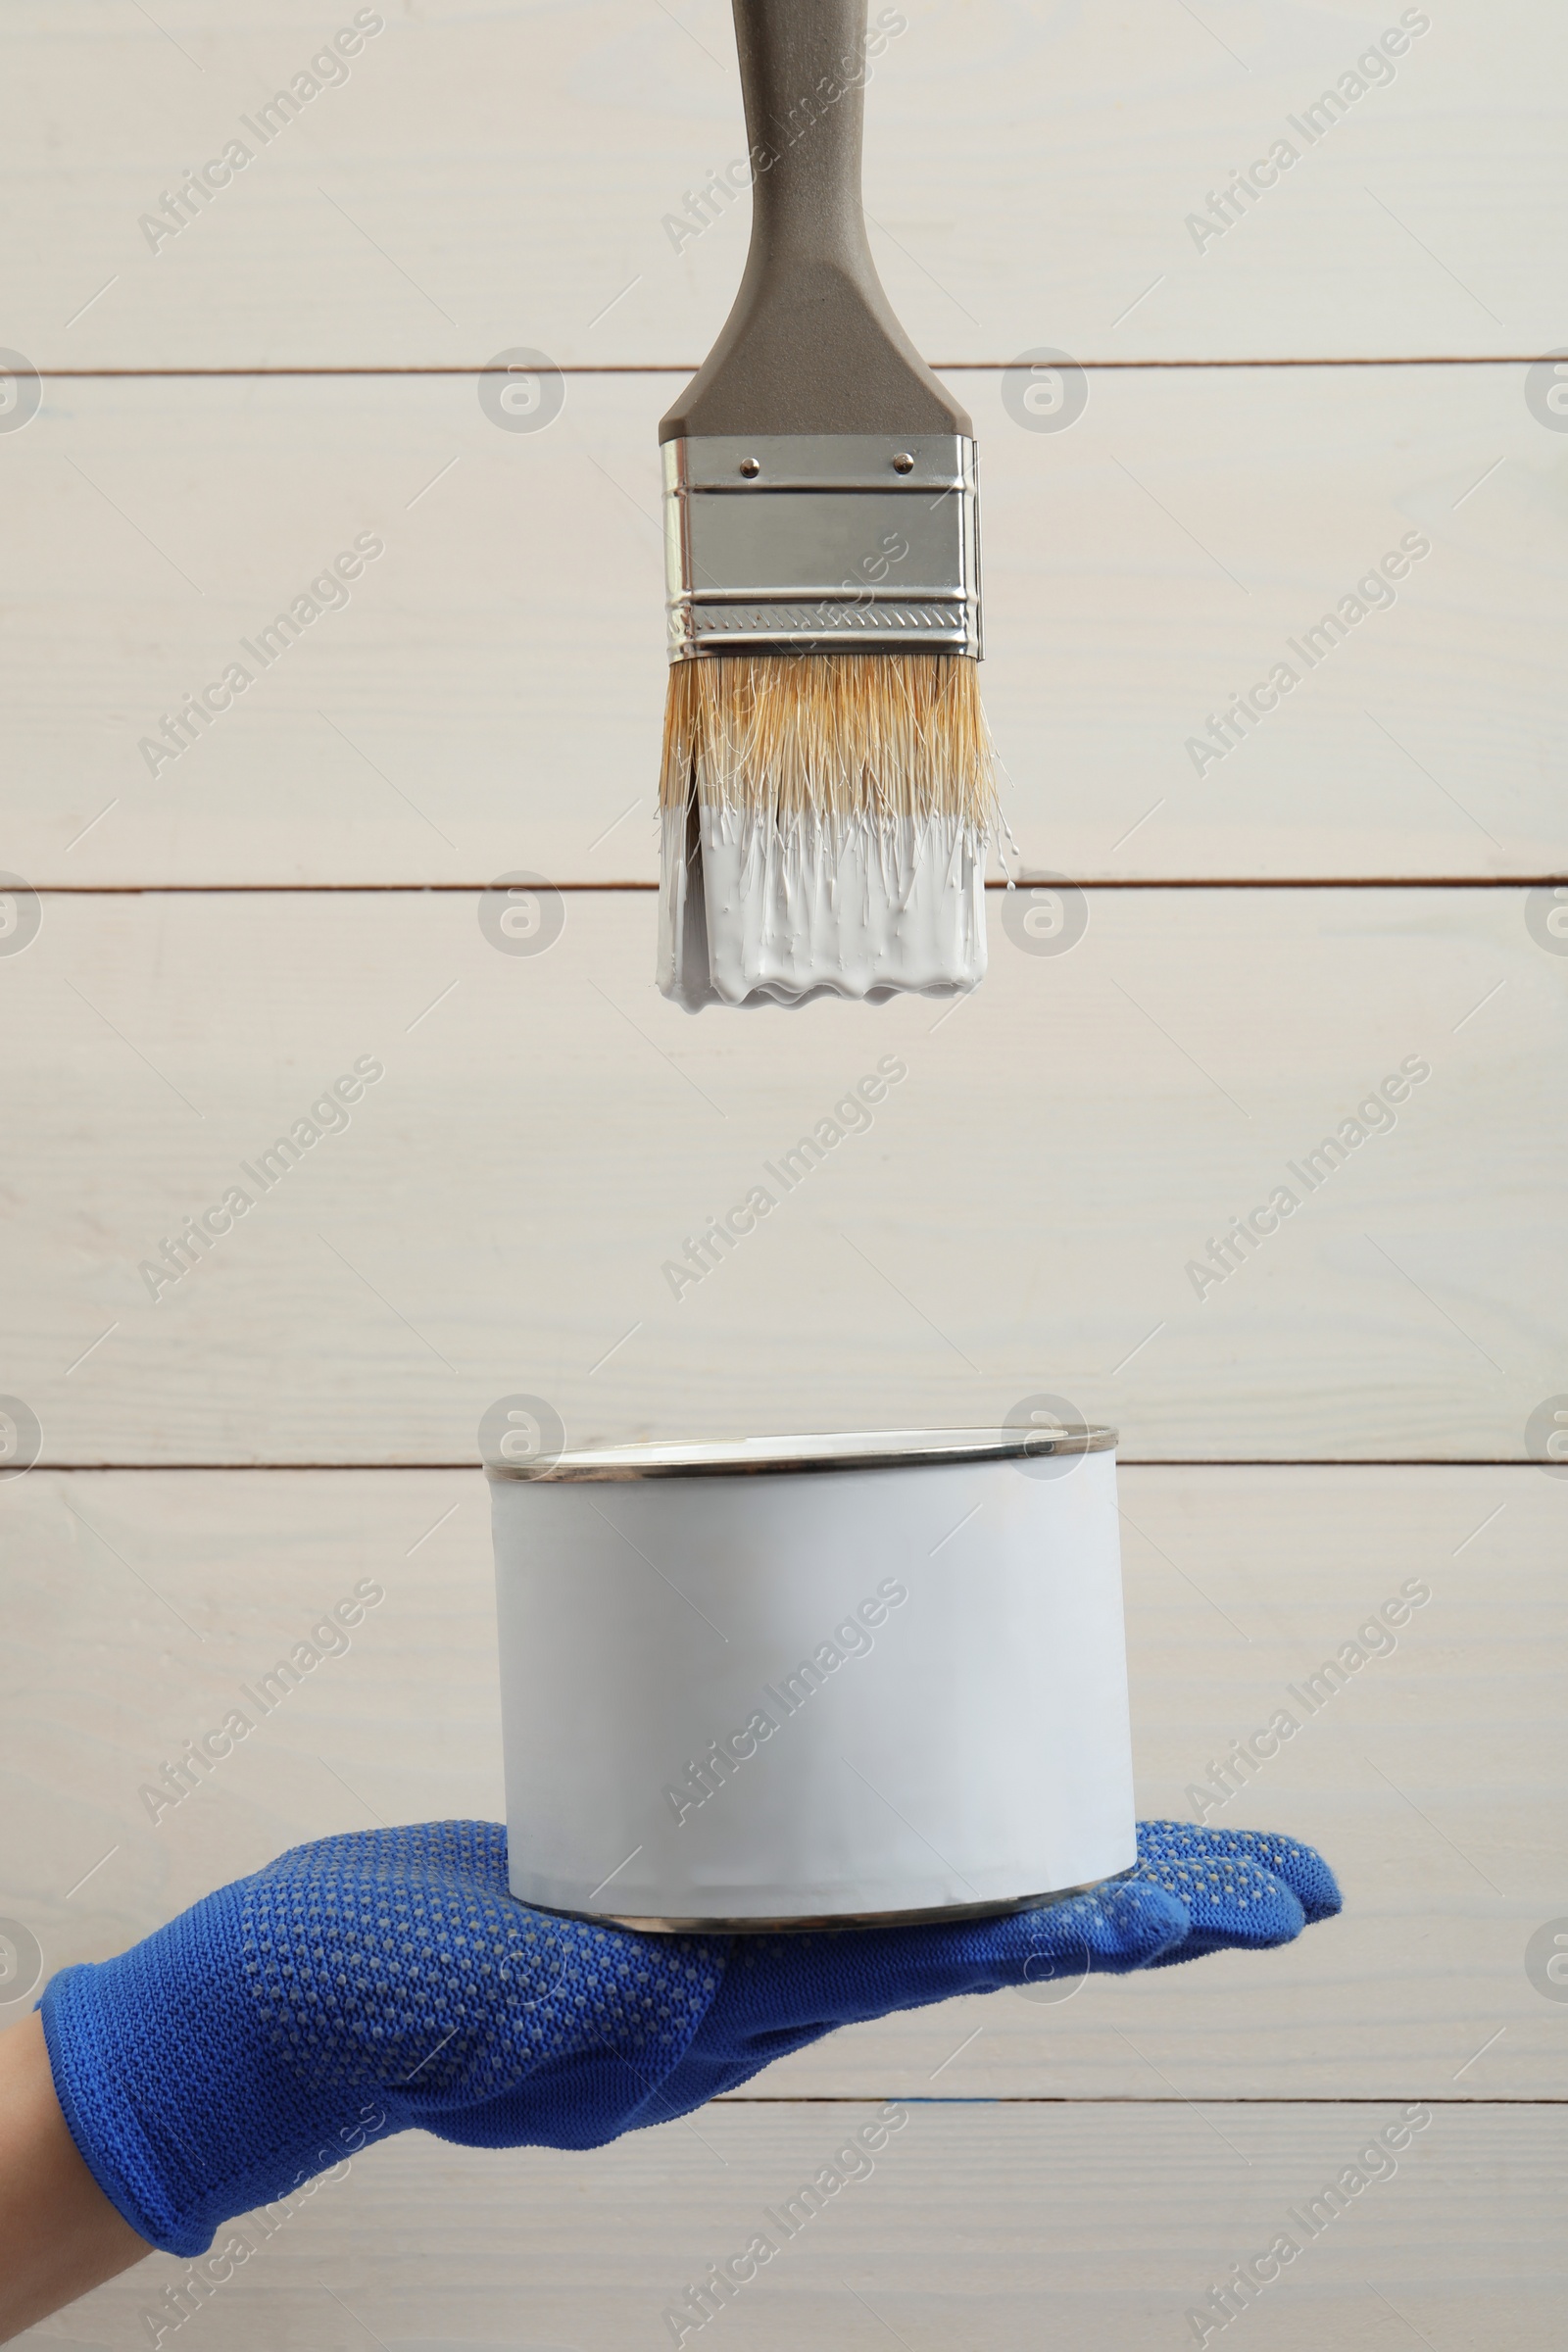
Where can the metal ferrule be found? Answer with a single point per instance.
(821, 543)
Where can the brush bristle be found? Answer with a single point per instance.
(835, 737)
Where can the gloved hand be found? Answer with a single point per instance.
(368, 1983)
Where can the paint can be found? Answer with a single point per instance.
(814, 1681)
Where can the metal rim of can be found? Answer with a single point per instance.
(857, 1449)
(934, 1915)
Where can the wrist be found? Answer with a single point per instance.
(60, 2236)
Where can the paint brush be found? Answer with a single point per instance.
(827, 792)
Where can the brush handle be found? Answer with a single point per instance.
(805, 205)
(812, 344)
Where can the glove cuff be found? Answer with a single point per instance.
(175, 2107)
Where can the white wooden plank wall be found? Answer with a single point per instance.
(1142, 568)
(1365, 880)
(498, 176)
(982, 2227)
(1022, 1216)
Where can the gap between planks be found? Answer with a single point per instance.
(1110, 2098)
(1437, 358)
(143, 890)
(1126, 1461)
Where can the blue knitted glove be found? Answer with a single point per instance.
(372, 1982)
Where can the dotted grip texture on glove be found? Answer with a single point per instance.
(369, 1984)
